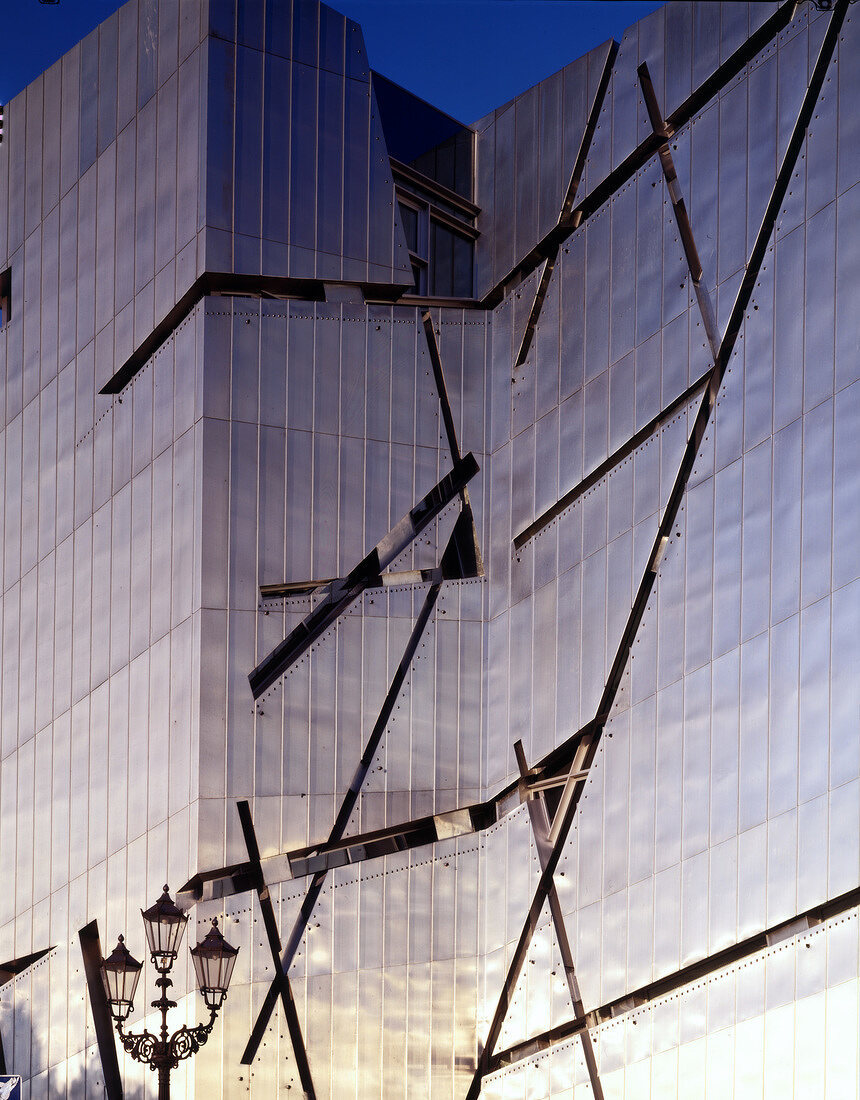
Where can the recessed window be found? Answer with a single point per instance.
(413, 216)
(5, 296)
(440, 235)
(450, 262)
(409, 217)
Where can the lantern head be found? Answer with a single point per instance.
(120, 974)
(164, 924)
(214, 960)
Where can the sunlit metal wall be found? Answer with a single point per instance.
(270, 440)
(137, 629)
(526, 154)
(725, 802)
(302, 472)
(98, 222)
(297, 176)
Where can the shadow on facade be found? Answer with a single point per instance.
(25, 1051)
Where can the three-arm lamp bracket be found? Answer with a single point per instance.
(213, 960)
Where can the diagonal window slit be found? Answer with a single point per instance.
(567, 205)
(663, 987)
(540, 822)
(664, 131)
(345, 590)
(616, 458)
(280, 984)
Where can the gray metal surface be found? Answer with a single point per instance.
(530, 147)
(262, 440)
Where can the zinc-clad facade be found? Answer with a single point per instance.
(218, 377)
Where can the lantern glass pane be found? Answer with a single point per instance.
(200, 970)
(164, 935)
(164, 924)
(120, 974)
(227, 971)
(214, 972)
(214, 960)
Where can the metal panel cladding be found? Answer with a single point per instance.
(550, 784)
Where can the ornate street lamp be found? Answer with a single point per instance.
(213, 960)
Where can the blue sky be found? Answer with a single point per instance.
(464, 56)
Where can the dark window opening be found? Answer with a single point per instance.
(440, 236)
(409, 217)
(450, 262)
(413, 217)
(419, 271)
(5, 296)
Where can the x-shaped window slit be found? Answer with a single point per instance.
(541, 823)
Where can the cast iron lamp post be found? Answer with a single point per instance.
(213, 959)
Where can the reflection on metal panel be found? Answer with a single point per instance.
(667, 524)
(712, 1014)
(532, 172)
(654, 589)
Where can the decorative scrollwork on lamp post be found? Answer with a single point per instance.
(213, 960)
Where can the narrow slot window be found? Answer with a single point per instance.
(5, 296)
(409, 218)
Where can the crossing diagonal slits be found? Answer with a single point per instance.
(624, 172)
(345, 590)
(283, 960)
(566, 218)
(701, 970)
(540, 822)
(270, 924)
(462, 557)
(588, 745)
